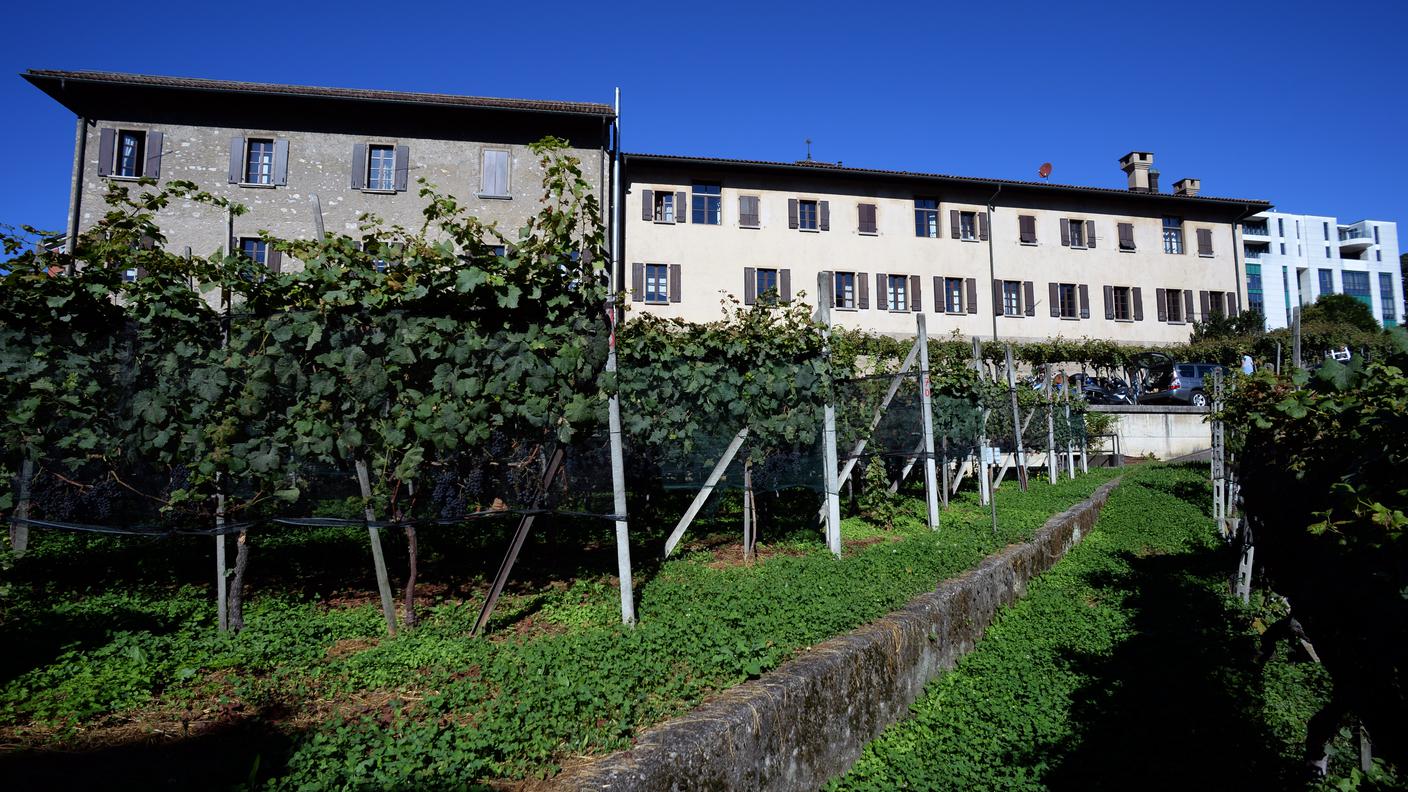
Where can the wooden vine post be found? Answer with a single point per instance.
(825, 287)
(931, 487)
(383, 583)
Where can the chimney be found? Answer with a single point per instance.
(1136, 166)
(1153, 180)
(1188, 187)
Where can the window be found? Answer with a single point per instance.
(1283, 248)
(255, 249)
(1327, 251)
(1068, 299)
(866, 218)
(1026, 227)
(1387, 302)
(1281, 227)
(129, 154)
(494, 167)
(657, 283)
(707, 207)
(1011, 298)
(1126, 236)
(1216, 306)
(381, 167)
(845, 290)
(1205, 242)
(1356, 285)
(766, 285)
(1173, 304)
(953, 295)
(896, 293)
(1376, 235)
(807, 215)
(1173, 235)
(259, 161)
(967, 225)
(1378, 255)
(748, 211)
(1327, 281)
(926, 217)
(1077, 233)
(664, 206)
(1122, 304)
(1326, 232)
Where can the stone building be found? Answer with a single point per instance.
(1020, 260)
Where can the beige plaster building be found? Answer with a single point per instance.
(1023, 260)
(274, 147)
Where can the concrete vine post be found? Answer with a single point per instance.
(980, 461)
(1050, 425)
(1070, 431)
(824, 299)
(931, 487)
(383, 583)
(1016, 421)
(19, 521)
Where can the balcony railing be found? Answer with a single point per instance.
(1347, 234)
(1258, 229)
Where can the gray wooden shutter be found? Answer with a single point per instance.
(637, 282)
(882, 294)
(1109, 302)
(954, 224)
(675, 284)
(970, 286)
(281, 162)
(998, 309)
(1187, 305)
(748, 210)
(824, 209)
(107, 141)
(750, 285)
(403, 167)
(1138, 303)
(1053, 293)
(1090, 234)
(915, 303)
(1126, 236)
(784, 280)
(276, 260)
(236, 160)
(1204, 303)
(647, 205)
(863, 286)
(983, 226)
(681, 208)
(1161, 303)
(1028, 228)
(1204, 242)
(791, 212)
(1233, 303)
(1084, 301)
(1065, 232)
(1029, 294)
(153, 152)
(940, 296)
(359, 166)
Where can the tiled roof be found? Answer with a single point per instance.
(39, 76)
(829, 167)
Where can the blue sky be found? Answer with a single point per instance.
(1302, 104)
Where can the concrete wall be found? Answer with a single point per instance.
(1166, 431)
(808, 720)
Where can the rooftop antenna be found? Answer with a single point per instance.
(809, 149)
(1045, 170)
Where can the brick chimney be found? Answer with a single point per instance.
(1188, 187)
(1136, 166)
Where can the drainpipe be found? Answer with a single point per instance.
(618, 223)
(75, 198)
(992, 265)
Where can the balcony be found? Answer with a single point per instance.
(1355, 240)
(1256, 230)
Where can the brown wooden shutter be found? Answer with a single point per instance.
(1204, 303)
(153, 152)
(1029, 294)
(1161, 303)
(675, 285)
(637, 282)
(647, 205)
(983, 226)
(1084, 301)
(882, 294)
(1065, 232)
(1204, 242)
(1053, 292)
(281, 162)
(681, 207)
(359, 166)
(867, 218)
(1090, 234)
(1233, 303)
(1187, 305)
(750, 285)
(824, 209)
(940, 295)
(998, 309)
(970, 288)
(863, 287)
(276, 260)
(236, 160)
(1109, 302)
(791, 212)
(954, 227)
(403, 169)
(107, 142)
(915, 303)
(1027, 224)
(784, 280)
(1138, 299)
(1126, 236)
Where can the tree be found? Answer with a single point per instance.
(1341, 309)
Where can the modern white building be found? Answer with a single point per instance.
(1292, 259)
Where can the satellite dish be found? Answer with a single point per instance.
(1044, 170)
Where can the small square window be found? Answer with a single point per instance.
(1011, 298)
(845, 290)
(968, 225)
(897, 293)
(664, 206)
(1173, 235)
(1122, 309)
(926, 217)
(657, 283)
(1077, 233)
(255, 249)
(807, 215)
(765, 283)
(953, 295)
(707, 206)
(381, 167)
(1068, 300)
(1173, 304)
(259, 161)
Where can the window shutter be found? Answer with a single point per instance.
(675, 283)
(1109, 302)
(1187, 305)
(276, 260)
(1084, 301)
(1029, 294)
(1065, 232)
(1204, 303)
(1233, 303)
(1161, 302)
(748, 210)
(791, 212)
(403, 167)
(970, 285)
(107, 141)
(502, 163)
(983, 226)
(1126, 236)
(153, 152)
(1053, 293)
(1204, 242)
(637, 282)
(236, 160)
(281, 162)
(681, 208)
(359, 166)
(882, 294)
(997, 307)
(863, 285)
(784, 281)
(750, 285)
(1138, 299)
(940, 295)
(915, 303)
(824, 209)
(1027, 223)
(647, 205)
(954, 227)
(1090, 234)
(867, 218)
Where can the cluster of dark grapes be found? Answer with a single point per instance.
(791, 467)
(59, 501)
(447, 496)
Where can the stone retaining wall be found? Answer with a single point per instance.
(808, 720)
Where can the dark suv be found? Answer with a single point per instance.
(1165, 381)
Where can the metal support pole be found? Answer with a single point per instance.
(75, 199)
(1016, 422)
(1050, 426)
(931, 487)
(383, 583)
(525, 524)
(704, 492)
(615, 315)
(824, 291)
(1070, 432)
(984, 491)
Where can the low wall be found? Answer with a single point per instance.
(808, 720)
(1166, 431)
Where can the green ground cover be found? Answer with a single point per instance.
(112, 651)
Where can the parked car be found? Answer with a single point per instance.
(1165, 381)
(1102, 390)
